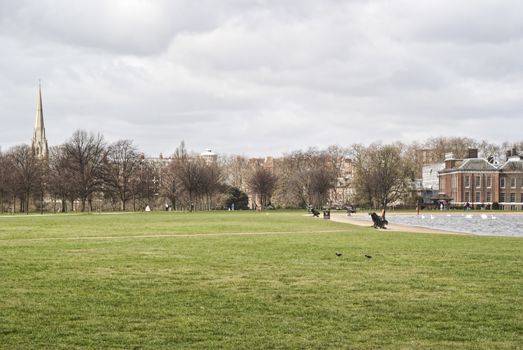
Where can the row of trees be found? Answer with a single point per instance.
(86, 173)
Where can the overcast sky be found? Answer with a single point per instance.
(262, 77)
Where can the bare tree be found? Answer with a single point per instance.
(294, 177)
(235, 169)
(307, 177)
(27, 174)
(60, 180)
(320, 181)
(211, 182)
(291, 190)
(262, 182)
(382, 176)
(363, 187)
(188, 174)
(190, 181)
(123, 164)
(434, 150)
(489, 150)
(459, 146)
(5, 180)
(169, 185)
(337, 157)
(86, 162)
(146, 185)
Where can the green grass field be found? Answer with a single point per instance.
(245, 280)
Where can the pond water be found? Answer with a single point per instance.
(493, 224)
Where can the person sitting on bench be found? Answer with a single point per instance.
(378, 221)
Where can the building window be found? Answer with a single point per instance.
(467, 197)
(488, 197)
(513, 182)
(478, 181)
(513, 198)
(467, 181)
(502, 197)
(478, 197)
(521, 201)
(502, 182)
(489, 181)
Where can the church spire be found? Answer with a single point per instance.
(40, 148)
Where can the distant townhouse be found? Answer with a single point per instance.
(428, 186)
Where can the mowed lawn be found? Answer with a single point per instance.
(248, 280)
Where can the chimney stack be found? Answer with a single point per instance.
(473, 153)
(450, 162)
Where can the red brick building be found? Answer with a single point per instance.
(480, 183)
(511, 183)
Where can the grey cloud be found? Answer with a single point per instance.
(459, 22)
(119, 26)
(261, 77)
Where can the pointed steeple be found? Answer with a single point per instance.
(40, 148)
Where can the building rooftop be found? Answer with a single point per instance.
(512, 164)
(476, 164)
(208, 153)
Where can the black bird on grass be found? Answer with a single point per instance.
(338, 254)
(368, 256)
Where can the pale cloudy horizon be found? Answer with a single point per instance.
(262, 77)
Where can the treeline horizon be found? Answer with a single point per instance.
(86, 173)
(455, 144)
